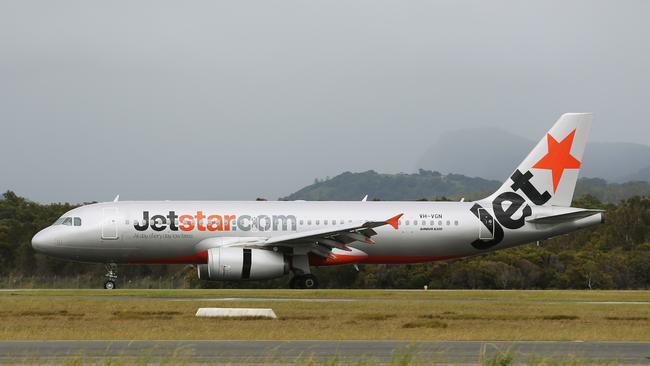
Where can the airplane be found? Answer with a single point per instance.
(231, 241)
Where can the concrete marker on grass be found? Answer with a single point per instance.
(236, 312)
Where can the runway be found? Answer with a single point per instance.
(288, 352)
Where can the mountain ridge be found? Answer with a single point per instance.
(492, 153)
(432, 185)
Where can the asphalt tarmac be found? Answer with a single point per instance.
(288, 352)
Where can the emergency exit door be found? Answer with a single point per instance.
(109, 224)
(486, 227)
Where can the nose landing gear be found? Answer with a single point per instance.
(111, 276)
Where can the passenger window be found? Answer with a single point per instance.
(317, 222)
(456, 222)
(448, 223)
(432, 223)
(440, 223)
(407, 222)
(67, 221)
(77, 221)
(308, 222)
(301, 222)
(415, 222)
(324, 222)
(341, 222)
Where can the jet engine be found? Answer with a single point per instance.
(232, 263)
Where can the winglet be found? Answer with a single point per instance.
(393, 221)
(117, 198)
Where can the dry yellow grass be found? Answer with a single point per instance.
(395, 315)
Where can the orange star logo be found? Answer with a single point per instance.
(558, 158)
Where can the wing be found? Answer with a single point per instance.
(336, 237)
(322, 240)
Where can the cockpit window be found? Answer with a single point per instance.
(68, 221)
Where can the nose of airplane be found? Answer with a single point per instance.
(43, 240)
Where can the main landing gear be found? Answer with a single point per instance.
(306, 282)
(111, 276)
(302, 279)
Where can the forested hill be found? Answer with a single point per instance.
(432, 185)
(395, 187)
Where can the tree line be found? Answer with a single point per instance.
(615, 255)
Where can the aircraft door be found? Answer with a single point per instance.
(109, 224)
(486, 227)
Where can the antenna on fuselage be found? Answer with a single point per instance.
(117, 198)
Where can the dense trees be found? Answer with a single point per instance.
(615, 255)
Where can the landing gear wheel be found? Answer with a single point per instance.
(111, 276)
(309, 282)
(306, 282)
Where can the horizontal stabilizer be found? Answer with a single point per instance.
(564, 217)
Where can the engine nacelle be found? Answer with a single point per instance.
(232, 263)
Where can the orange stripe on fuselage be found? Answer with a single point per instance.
(198, 258)
(202, 258)
(376, 259)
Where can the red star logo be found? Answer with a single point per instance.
(558, 158)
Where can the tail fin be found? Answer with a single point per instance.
(549, 173)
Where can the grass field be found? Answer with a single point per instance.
(328, 314)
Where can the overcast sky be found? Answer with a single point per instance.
(240, 99)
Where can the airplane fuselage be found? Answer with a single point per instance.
(181, 232)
